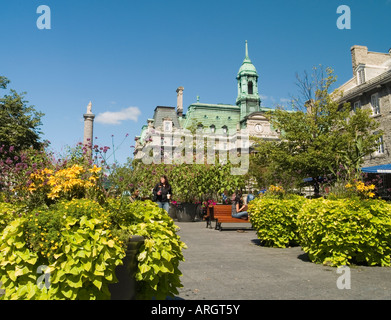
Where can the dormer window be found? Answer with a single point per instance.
(361, 74)
(212, 128)
(225, 129)
(167, 126)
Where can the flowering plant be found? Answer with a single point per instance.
(361, 189)
(208, 203)
(275, 192)
(72, 182)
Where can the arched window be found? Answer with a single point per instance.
(250, 87)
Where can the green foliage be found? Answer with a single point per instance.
(274, 219)
(73, 240)
(7, 214)
(159, 257)
(19, 123)
(345, 231)
(189, 182)
(317, 140)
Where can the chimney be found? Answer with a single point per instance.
(359, 56)
(179, 101)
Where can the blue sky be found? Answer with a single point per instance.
(133, 55)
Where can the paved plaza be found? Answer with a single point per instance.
(231, 265)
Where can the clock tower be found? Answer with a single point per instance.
(248, 97)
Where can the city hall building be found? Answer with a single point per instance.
(230, 127)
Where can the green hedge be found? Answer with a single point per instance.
(274, 220)
(340, 232)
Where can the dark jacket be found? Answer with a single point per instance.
(165, 190)
(237, 200)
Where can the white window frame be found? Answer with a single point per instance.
(375, 104)
(380, 148)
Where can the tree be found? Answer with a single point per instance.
(319, 135)
(19, 123)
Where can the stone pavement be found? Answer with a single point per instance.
(230, 265)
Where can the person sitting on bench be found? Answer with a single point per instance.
(238, 209)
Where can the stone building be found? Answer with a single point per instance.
(228, 126)
(370, 88)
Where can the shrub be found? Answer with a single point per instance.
(7, 214)
(158, 272)
(77, 247)
(340, 232)
(274, 219)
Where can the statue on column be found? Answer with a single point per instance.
(89, 108)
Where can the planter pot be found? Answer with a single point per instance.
(186, 212)
(172, 211)
(125, 288)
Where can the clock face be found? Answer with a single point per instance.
(258, 128)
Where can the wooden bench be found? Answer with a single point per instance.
(221, 214)
(209, 217)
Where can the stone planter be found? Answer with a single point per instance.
(172, 211)
(187, 212)
(125, 288)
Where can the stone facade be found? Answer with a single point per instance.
(226, 125)
(370, 88)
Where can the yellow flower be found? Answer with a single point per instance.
(95, 169)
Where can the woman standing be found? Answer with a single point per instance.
(162, 193)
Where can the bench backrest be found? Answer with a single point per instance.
(223, 209)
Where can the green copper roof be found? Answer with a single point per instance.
(247, 67)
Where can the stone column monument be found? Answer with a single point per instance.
(88, 127)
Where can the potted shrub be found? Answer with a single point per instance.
(126, 287)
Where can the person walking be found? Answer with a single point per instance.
(162, 193)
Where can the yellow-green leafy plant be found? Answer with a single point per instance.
(345, 231)
(274, 219)
(158, 273)
(71, 242)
